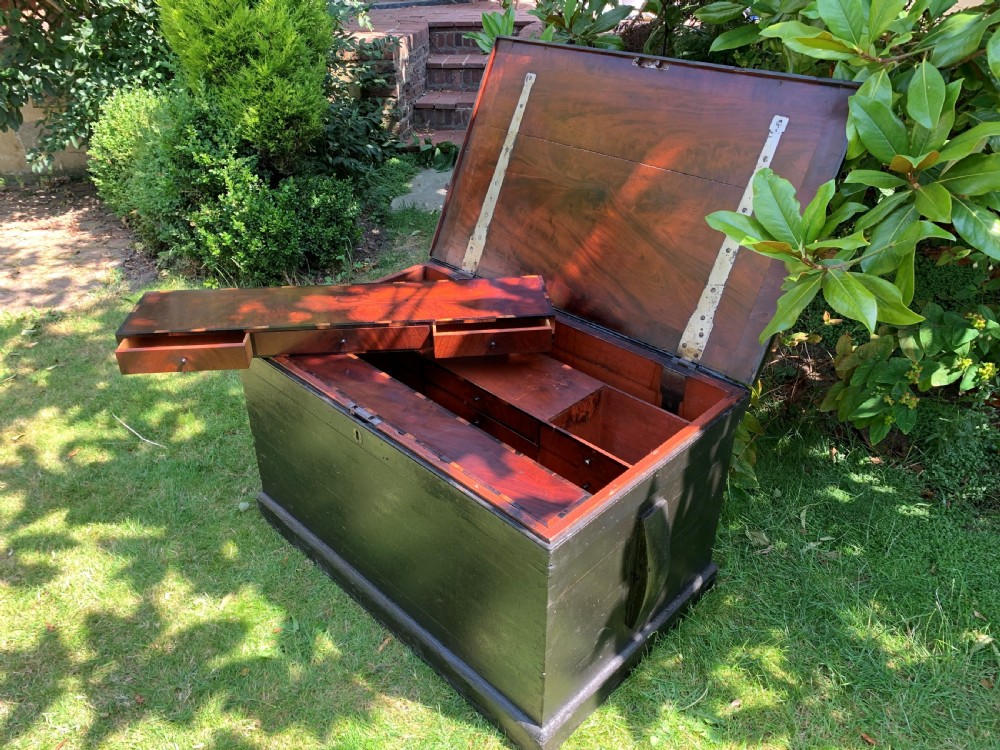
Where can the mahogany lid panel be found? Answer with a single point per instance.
(320, 307)
(615, 164)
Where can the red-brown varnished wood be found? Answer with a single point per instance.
(299, 308)
(512, 482)
(342, 340)
(454, 341)
(534, 383)
(151, 354)
(700, 396)
(616, 224)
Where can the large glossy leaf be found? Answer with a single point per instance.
(885, 207)
(993, 53)
(736, 226)
(955, 38)
(790, 30)
(720, 12)
(925, 95)
(906, 277)
(971, 141)
(878, 86)
(874, 178)
(923, 140)
(735, 38)
(823, 46)
(845, 18)
(977, 225)
(934, 202)
(889, 241)
(883, 134)
(891, 309)
(797, 295)
(974, 175)
(844, 212)
(850, 297)
(814, 216)
(776, 207)
(883, 13)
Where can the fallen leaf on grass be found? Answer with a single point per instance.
(736, 704)
(987, 683)
(17, 437)
(766, 551)
(757, 538)
(875, 460)
(868, 738)
(977, 614)
(139, 700)
(386, 642)
(72, 453)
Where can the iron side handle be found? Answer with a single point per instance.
(652, 563)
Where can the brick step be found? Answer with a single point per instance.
(443, 110)
(447, 37)
(461, 72)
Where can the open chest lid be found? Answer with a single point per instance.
(596, 170)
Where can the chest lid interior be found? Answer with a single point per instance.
(596, 170)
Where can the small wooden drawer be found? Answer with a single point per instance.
(184, 353)
(456, 340)
(342, 340)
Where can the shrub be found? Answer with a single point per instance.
(71, 60)
(262, 64)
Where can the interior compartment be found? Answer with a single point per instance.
(423, 272)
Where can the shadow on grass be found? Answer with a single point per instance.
(854, 614)
(158, 600)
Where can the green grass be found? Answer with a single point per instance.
(140, 607)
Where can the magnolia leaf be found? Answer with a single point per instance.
(993, 53)
(790, 30)
(735, 38)
(774, 249)
(850, 297)
(843, 213)
(883, 134)
(974, 175)
(737, 227)
(891, 309)
(889, 241)
(977, 225)
(776, 207)
(874, 178)
(972, 140)
(851, 242)
(955, 38)
(886, 206)
(814, 216)
(720, 12)
(797, 296)
(925, 95)
(923, 140)
(845, 18)
(883, 13)
(824, 46)
(878, 86)
(933, 201)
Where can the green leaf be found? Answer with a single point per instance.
(735, 38)
(974, 175)
(934, 202)
(874, 178)
(851, 242)
(883, 134)
(776, 207)
(845, 212)
(815, 214)
(925, 96)
(850, 298)
(720, 12)
(611, 18)
(883, 13)
(906, 418)
(889, 241)
(797, 296)
(832, 397)
(790, 30)
(823, 46)
(955, 38)
(845, 18)
(972, 140)
(993, 53)
(909, 344)
(923, 140)
(884, 208)
(978, 226)
(891, 309)
(736, 226)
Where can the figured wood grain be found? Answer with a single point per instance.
(320, 307)
(605, 195)
(151, 354)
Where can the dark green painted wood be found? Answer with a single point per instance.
(468, 576)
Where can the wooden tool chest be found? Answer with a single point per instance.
(527, 522)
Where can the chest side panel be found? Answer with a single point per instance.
(464, 574)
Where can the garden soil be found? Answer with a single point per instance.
(60, 247)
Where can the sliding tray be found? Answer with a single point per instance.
(223, 329)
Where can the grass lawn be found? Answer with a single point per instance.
(144, 603)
